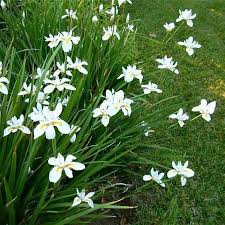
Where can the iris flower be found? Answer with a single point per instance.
(181, 170)
(60, 164)
(16, 125)
(205, 109)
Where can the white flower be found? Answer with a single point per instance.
(147, 129)
(64, 101)
(77, 65)
(101, 7)
(112, 12)
(156, 176)
(23, 14)
(130, 73)
(62, 69)
(37, 114)
(102, 112)
(130, 27)
(120, 2)
(15, 125)
(27, 89)
(74, 131)
(180, 116)
(3, 88)
(53, 41)
(60, 164)
(205, 109)
(126, 108)
(41, 98)
(167, 63)
(190, 45)
(48, 121)
(151, 87)
(71, 14)
(109, 32)
(116, 102)
(59, 84)
(181, 170)
(169, 26)
(83, 198)
(68, 40)
(94, 19)
(186, 15)
(3, 4)
(40, 73)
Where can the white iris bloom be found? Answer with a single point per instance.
(190, 45)
(181, 170)
(15, 125)
(48, 121)
(82, 197)
(60, 164)
(180, 116)
(206, 109)
(186, 15)
(167, 63)
(156, 176)
(130, 73)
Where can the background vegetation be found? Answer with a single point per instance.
(201, 201)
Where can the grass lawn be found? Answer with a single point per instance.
(202, 200)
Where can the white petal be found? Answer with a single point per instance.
(3, 89)
(162, 184)
(49, 89)
(83, 70)
(188, 172)
(70, 158)
(67, 46)
(64, 127)
(190, 51)
(55, 174)
(73, 138)
(147, 178)
(211, 107)
(39, 131)
(58, 110)
(69, 87)
(90, 203)
(7, 131)
(53, 161)
(105, 120)
(190, 23)
(183, 180)
(76, 201)
(181, 123)
(89, 195)
(50, 133)
(25, 130)
(77, 166)
(171, 173)
(68, 172)
(206, 117)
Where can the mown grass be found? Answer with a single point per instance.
(201, 201)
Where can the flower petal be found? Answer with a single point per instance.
(171, 173)
(55, 174)
(76, 201)
(68, 172)
(77, 166)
